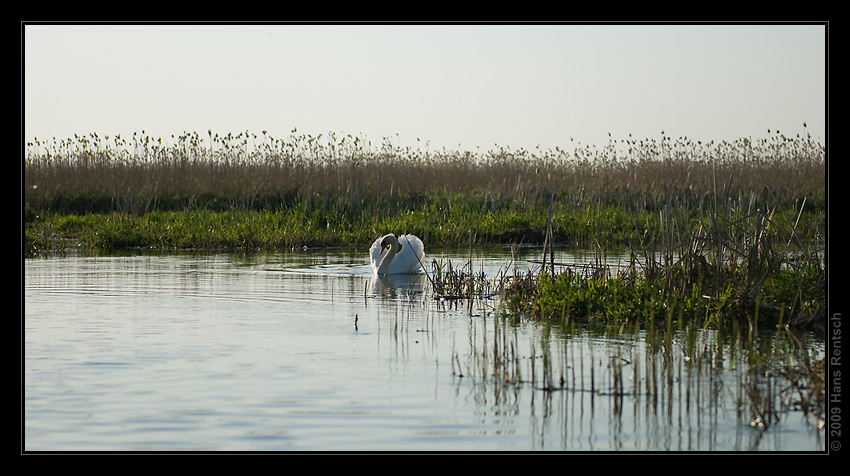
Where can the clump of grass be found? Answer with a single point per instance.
(450, 282)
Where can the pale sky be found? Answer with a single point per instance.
(460, 87)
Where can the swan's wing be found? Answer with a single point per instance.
(413, 245)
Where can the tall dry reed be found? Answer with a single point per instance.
(93, 173)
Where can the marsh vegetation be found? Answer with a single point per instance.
(715, 230)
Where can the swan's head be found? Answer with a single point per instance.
(390, 242)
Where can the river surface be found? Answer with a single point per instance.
(307, 351)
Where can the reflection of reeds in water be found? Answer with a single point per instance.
(669, 379)
(781, 377)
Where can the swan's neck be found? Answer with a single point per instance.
(392, 250)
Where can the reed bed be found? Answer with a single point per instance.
(340, 190)
(102, 174)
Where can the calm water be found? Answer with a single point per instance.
(306, 351)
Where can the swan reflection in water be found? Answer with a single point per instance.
(396, 285)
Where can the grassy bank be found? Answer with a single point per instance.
(249, 191)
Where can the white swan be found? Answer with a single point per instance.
(402, 255)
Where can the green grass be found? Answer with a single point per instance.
(787, 298)
(439, 219)
(433, 221)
